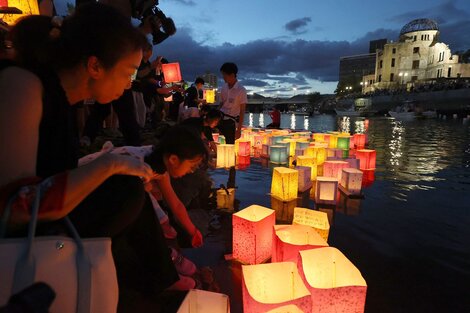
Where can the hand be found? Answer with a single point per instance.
(197, 240)
(127, 165)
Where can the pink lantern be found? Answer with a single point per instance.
(201, 301)
(317, 220)
(351, 180)
(334, 168)
(305, 181)
(335, 284)
(243, 161)
(171, 72)
(244, 147)
(215, 136)
(359, 141)
(252, 234)
(326, 190)
(270, 286)
(287, 309)
(288, 240)
(353, 162)
(367, 159)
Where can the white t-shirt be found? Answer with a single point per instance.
(232, 98)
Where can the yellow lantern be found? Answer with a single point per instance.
(285, 183)
(319, 137)
(303, 160)
(335, 284)
(271, 286)
(315, 219)
(201, 301)
(225, 156)
(226, 199)
(326, 190)
(27, 7)
(333, 141)
(284, 210)
(293, 145)
(290, 239)
(252, 234)
(209, 95)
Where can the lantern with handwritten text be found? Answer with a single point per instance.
(315, 219)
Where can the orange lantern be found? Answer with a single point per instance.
(209, 95)
(368, 178)
(315, 219)
(284, 183)
(26, 7)
(201, 301)
(288, 240)
(334, 168)
(359, 141)
(351, 180)
(287, 309)
(171, 72)
(252, 234)
(265, 151)
(243, 161)
(326, 190)
(215, 137)
(335, 284)
(367, 159)
(271, 286)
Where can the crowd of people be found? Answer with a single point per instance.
(136, 195)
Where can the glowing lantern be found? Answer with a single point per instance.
(285, 183)
(252, 234)
(334, 153)
(353, 163)
(222, 139)
(319, 137)
(201, 301)
(225, 156)
(326, 190)
(171, 72)
(215, 137)
(359, 141)
(305, 174)
(25, 6)
(288, 240)
(319, 153)
(270, 286)
(299, 152)
(265, 151)
(315, 219)
(278, 154)
(343, 142)
(334, 168)
(243, 162)
(367, 159)
(292, 145)
(258, 141)
(209, 95)
(351, 180)
(226, 199)
(303, 144)
(277, 139)
(368, 178)
(309, 161)
(287, 309)
(244, 147)
(333, 143)
(335, 284)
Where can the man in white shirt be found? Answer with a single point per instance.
(232, 103)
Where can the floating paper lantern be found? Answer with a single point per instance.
(309, 161)
(368, 177)
(243, 162)
(265, 150)
(343, 142)
(314, 219)
(359, 141)
(353, 163)
(292, 145)
(252, 234)
(319, 137)
(277, 139)
(209, 95)
(319, 153)
(244, 147)
(226, 199)
(27, 7)
(303, 145)
(288, 240)
(271, 286)
(287, 309)
(326, 190)
(222, 140)
(278, 154)
(284, 183)
(215, 137)
(284, 210)
(171, 72)
(305, 174)
(201, 301)
(334, 153)
(367, 159)
(335, 284)
(299, 152)
(225, 156)
(334, 168)
(333, 143)
(258, 141)
(351, 180)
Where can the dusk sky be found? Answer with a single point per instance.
(279, 45)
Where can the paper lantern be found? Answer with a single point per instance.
(319, 137)
(171, 72)
(335, 284)
(287, 309)
(359, 141)
(303, 145)
(334, 153)
(288, 240)
(299, 152)
(222, 140)
(284, 183)
(367, 159)
(225, 156)
(258, 141)
(333, 143)
(243, 161)
(368, 177)
(319, 153)
(315, 219)
(226, 199)
(278, 154)
(326, 190)
(284, 210)
(309, 161)
(252, 234)
(209, 95)
(244, 147)
(292, 145)
(305, 180)
(351, 180)
(353, 163)
(343, 142)
(265, 150)
(201, 301)
(277, 139)
(215, 137)
(334, 168)
(271, 286)
(27, 7)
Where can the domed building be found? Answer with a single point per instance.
(417, 57)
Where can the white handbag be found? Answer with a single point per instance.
(81, 272)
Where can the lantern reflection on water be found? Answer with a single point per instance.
(252, 234)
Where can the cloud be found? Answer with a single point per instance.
(297, 26)
(186, 2)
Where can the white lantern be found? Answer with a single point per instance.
(315, 219)
(225, 156)
(201, 301)
(351, 180)
(326, 190)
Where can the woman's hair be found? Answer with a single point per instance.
(182, 141)
(93, 30)
(213, 114)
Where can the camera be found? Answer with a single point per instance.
(162, 26)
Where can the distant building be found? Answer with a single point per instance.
(210, 80)
(417, 57)
(352, 69)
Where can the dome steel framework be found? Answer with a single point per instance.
(419, 25)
